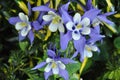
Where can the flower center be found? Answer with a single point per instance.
(88, 48)
(56, 20)
(79, 26)
(54, 65)
(23, 24)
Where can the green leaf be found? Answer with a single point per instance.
(74, 77)
(111, 75)
(117, 42)
(110, 27)
(23, 45)
(72, 68)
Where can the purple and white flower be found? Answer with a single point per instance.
(88, 50)
(55, 65)
(97, 17)
(79, 26)
(23, 26)
(56, 21)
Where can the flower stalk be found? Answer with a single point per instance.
(82, 66)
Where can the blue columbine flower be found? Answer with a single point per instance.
(56, 21)
(23, 25)
(54, 17)
(79, 26)
(87, 51)
(55, 65)
(99, 17)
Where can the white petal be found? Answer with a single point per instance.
(87, 53)
(29, 27)
(85, 22)
(77, 18)
(48, 17)
(95, 22)
(94, 48)
(49, 60)
(53, 27)
(61, 28)
(48, 67)
(23, 17)
(55, 70)
(86, 31)
(76, 35)
(25, 31)
(69, 25)
(18, 26)
(61, 65)
(52, 13)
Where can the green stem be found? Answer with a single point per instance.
(54, 77)
(82, 67)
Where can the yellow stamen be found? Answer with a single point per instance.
(79, 26)
(23, 24)
(54, 65)
(56, 20)
(88, 48)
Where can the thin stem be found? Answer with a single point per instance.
(82, 67)
(54, 77)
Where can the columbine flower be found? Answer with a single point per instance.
(55, 65)
(23, 26)
(56, 21)
(78, 26)
(88, 50)
(76, 29)
(96, 16)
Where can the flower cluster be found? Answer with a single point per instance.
(55, 65)
(81, 29)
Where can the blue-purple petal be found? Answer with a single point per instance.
(64, 39)
(21, 37)
(64, 74)
(51, 53)
(95, 36)
(14, 20)
(37, 25)
(80, 44)
(91, 14)
(97, 29)
(82, 57)
(104, 19)
(109, 13)
(47, 74)
(64, 13)
(89, 5)
(40, 16)
(42, 8)
(65, 6)
(67, 60)
(29, 9)
(74, 55)
(42, 64)
(31, 36)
